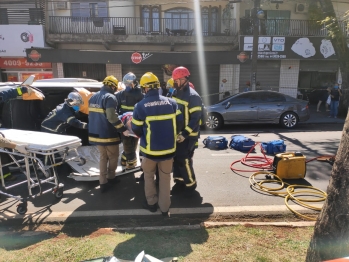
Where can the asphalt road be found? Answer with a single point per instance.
(219, 191)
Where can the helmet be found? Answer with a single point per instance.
(111, 81)
(169, 83)
(74, 99)
(129, 78)
(149, 80)
(180, 72)
(191, 85)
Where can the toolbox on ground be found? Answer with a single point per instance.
(289, 165)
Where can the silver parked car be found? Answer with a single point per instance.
(258, 107)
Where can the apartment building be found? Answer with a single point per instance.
(213, 39)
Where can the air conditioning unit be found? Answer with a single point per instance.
(301, 8)
(62, 5)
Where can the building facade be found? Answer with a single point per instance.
(92, 39)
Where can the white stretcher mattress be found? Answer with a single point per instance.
(40, 141)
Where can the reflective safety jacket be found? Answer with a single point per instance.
(190, 104)
(12, 93)
(157, 121)
(103, 131)
(60, 118)
(127, 99)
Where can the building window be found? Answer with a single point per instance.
(3, 16)
(150, 19)
(179, 18)
(80, 10)
(209, 18)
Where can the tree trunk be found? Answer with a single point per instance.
(331, 233)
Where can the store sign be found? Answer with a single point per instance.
(277, 47)
(21, 63)
(14, 39)
(139, 57)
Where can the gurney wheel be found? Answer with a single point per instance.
(59, 193)
(22, 209)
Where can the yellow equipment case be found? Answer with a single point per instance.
(290, 165)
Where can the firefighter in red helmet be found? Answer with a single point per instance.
(190, 104)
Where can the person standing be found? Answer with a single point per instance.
(190, 104)
(127, 99)
(247, 87)
(104, 131)
(63, 116)
(323, 99)
(157, 121)
(335, 95)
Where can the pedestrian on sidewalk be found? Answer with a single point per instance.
(323, 99)
(336, 93)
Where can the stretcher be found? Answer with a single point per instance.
(45, 152)
(90, 170)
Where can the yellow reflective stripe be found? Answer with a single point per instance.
(127, 107)
(103, 140)
(148, 119)
(137, 123)
(97, 110)
(197, 143)
(194, 134)
(180, 101)
(178, 112)
(119, 125)
(157, 153)
(190, 175)
(188, 129)
(178, 178)
(123, 157)
(19, 91)
(196, 108)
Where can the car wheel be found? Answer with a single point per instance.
(214, 121)
(289, 120)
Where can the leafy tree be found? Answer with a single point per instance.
(331, 234)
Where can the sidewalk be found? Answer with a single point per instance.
(322, 117)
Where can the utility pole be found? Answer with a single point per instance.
(255, 19)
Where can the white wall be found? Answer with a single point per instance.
(124, 8)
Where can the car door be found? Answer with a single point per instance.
(241, 108)
(271, 105)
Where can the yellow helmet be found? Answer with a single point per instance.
(149, 80)
(111, 81)
(170, 83)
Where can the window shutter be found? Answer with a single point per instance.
(102, 9)
(85, 10)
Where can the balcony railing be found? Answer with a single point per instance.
(138, 26)
(289, 27)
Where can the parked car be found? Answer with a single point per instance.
(257, 107)
(28, 114)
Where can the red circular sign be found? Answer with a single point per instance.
(136, 58)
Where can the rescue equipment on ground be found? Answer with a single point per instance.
(290, 165)
(274, 147)
(215, 142)
(241, 143)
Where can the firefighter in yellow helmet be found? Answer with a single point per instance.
(105, 130)
(156, 120)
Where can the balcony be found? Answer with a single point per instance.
(288, 27)
(133, 29)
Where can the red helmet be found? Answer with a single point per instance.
(180, 72)
(191, 85)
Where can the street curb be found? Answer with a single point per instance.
(251, 224)
(48, 216)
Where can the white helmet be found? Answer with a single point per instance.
(130, 79)
(74, 99)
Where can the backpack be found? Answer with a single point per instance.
(215, 142)
(274, 147)
(241, 143)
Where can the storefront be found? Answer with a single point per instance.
(93, 64)
(14, 39)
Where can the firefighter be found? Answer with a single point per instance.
(157, 121)
(104, 131)
(190, 104)
(127, 99)
(170, 87)
(63, 116)
(14, 93)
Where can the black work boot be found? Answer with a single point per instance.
(141, 178)
(151, 208)
(104, 187)
(177, 188)
(189, 191)
(114, 181)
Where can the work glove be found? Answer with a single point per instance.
(126, 133)
(180, 138)
(21, 149)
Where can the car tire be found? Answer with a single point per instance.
(288, 120)
(214, 121)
